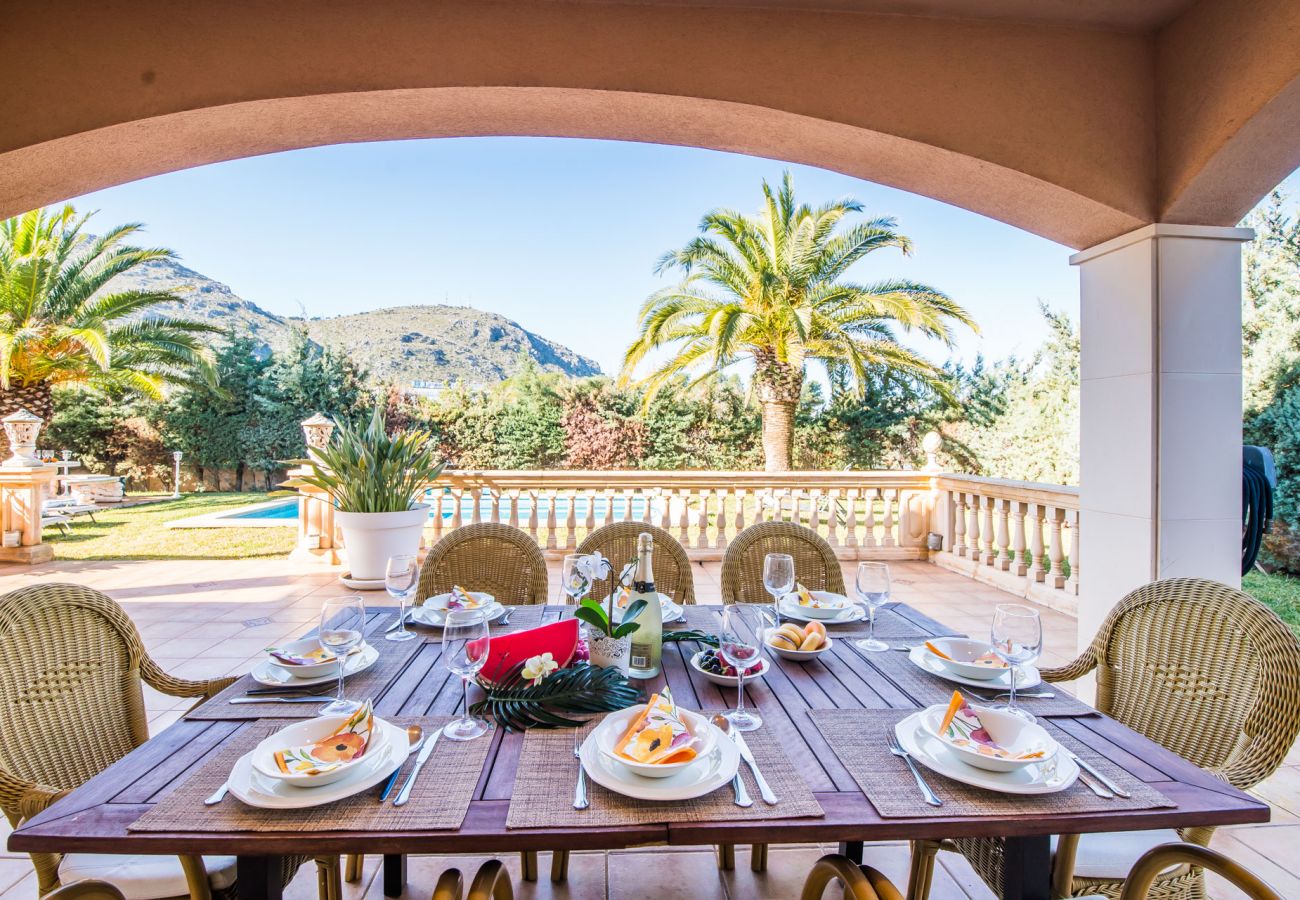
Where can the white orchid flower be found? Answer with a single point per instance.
(538, 667)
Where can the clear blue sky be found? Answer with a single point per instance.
(560, 235)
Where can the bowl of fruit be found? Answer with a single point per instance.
(798, 643)
(712, 666)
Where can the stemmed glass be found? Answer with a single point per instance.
(575, 576)
(400, 579)
(741, 652)
(778, 578)
(1017, 638)
(342, 630)
(465, 642)
(873, 592)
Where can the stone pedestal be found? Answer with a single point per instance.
(21, 493)
(317, 534)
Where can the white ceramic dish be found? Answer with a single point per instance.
(962, 651)
(1054, 775)
(833, 605)
(728, 680)
(801, 656)
(251, 788)
(610, 730)
(670, 610)
(306, 732)
(436, 618)
(1010, 731)
(844, 617)
(703, 776)
(440, 602)
(274, 674)
(924, 659)
(306, 670)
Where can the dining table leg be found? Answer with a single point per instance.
(260, 877)
(853, 850)
(1026, 868)
(394, 874)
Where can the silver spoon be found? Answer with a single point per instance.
(737, 783)
(414, 734)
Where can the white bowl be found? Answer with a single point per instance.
(609, 731)
(795, 655)
(308, 670)
(833, 605)
(440, 602)
(962, 651)
(1009, 730)
(728, 680)
(307, 732)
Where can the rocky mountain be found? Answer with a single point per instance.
(403, 344)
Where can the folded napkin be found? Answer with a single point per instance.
(658, 735)
(962, 727)
(989, 660)
(624, 597)
(807, 599)
(311, 658)
(348, 743)
(462, 599)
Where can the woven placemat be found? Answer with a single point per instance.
(859, 738)
(521, 619)
(548, 773)
(439, 800)
(393, 657)
(927, 689)
(890, 626)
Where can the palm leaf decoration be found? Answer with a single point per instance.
(700, 637)
(518, 704)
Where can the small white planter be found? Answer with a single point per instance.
(371, 538)
(608, 652)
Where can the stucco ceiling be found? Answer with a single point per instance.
(1120, 15)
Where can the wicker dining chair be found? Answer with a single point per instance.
(865, 883)
(72, 666)
(617, 543)
(86, 889)
(485, 556)
(491, 882)
(1196, 666)
(815, 565)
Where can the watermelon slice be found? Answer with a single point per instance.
(560, 639)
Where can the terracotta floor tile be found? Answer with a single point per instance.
(695, 874)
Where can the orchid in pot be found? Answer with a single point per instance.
(377, 480)
(609, 642)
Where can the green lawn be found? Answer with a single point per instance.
(1280, 592)
(139, 532)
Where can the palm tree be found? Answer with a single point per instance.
(59, 325)
(771, 289)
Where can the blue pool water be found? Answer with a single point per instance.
(288, 510)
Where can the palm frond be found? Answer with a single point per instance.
(577, 690)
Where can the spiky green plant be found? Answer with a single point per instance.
(517, 704)
(367, 470)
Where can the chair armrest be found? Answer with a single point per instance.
(1081, 665)
(156, 678)
(37, 799)
(1157, 859)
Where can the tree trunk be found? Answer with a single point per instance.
(778, 385)
(36, 399)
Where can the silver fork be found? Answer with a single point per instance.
(505, 620)
(580, 790)
(897, 749)
(1027, 695)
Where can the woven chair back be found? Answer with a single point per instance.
(617, 543)
(70, 696)
(815, 565)
(1204, 670)
(499, 559)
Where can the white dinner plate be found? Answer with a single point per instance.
(728, 680)
(671, 611)
(702, 777)
(436, 618)
(275, 675)
(266, 793)
(925, 660)
(854, 613)
(440, 601)
(1050, 777)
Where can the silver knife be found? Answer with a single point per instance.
(281, 700)
(763, 789)
(405, 793)
(1106, 782)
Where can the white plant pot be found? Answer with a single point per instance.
(371, 538)
(608, 652)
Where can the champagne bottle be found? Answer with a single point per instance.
(647, 640)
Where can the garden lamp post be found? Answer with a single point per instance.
(176, 474)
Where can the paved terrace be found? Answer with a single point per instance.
(204, 618)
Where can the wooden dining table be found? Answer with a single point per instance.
(96, 816)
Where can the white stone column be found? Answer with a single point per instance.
(1160, 410)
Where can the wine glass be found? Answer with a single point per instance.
(740, 651)
(778, 578)
(465, 641)
(400, 580)
(342, 630)
(873, 592)
(1017, 638)
(575, 576)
